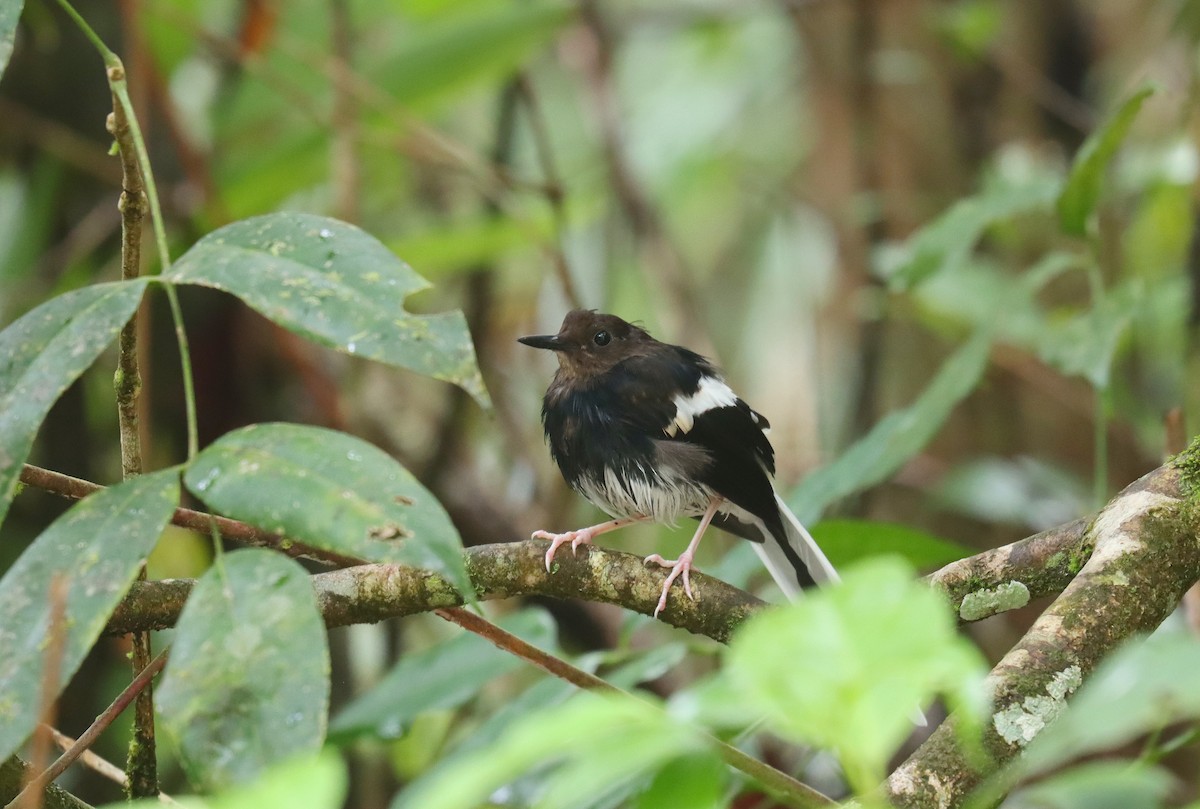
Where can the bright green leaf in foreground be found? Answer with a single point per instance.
(247, 685)
(596, 740)
(847, 667)
(330, 490)
(42, 353)
(847, 541)
(444, 676)
(337, 285)
(316, 782)
(95, 549)
(1082, 191)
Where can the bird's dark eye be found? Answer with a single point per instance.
(602, 338)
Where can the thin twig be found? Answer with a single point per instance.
(100, 765)
(343, 160)
(90, 735)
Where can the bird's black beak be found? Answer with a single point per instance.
(548, 341)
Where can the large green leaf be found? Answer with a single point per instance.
(846, 667)
(946, 243)
(444, 676)
(1098, 785)
(847, 541)
(95, 550)
(601, 741)
(42, 353)
(330, 490)
(247, 685)
(10, 12)
(1082, 191)
(488, 42)
(896, 438)
(1087, 342)
(336, 285)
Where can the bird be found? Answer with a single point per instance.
(651, 432)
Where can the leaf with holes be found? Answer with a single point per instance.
(95, 549)
(42, 353)
(336, 285)
(329, 490)
(247, 685)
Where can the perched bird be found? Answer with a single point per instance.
(651, 432)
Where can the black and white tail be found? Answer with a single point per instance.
(796, 560)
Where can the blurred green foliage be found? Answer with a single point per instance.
(945, 247)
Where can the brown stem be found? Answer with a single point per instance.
(139, 684)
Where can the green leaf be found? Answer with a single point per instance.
(336, 285)
(489, 43)
(601, 740)
(1082, 191)
(42, 353)
(946, 243)
(314, 782)
(847, 541)
(1143, 687)
(689, 782)
(329, 490)
(247, 685)
(1098, 785)
(896, 438)
(846, 667)
(1086, 343)
(95, 549)
(10, 12)
(444, 676)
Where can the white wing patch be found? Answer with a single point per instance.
(711, 394)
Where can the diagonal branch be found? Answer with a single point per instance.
(1146, 556)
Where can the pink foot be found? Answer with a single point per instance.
(682, 565)
(581, 537)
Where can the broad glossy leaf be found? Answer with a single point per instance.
(847, 541)
(330, 490)
(444, 676)
(10, 12)
(845, 667)
(896, 438)
(689, 782)
(247, 685)
(42, 353)
(490, 42)
(1082, 191)
(96, 548)
(336, 285)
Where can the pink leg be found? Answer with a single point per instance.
(684, 563)
(583, 536)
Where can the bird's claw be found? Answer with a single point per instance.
(679, 567)
(576, 538)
